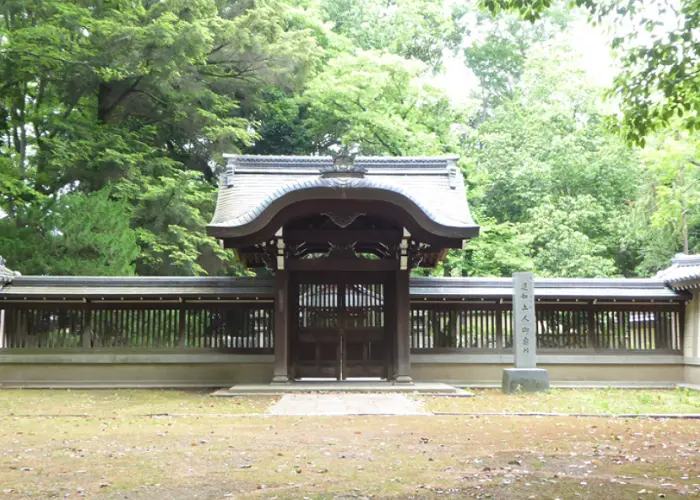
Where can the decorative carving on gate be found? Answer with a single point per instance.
(343, 220)
(343, 252)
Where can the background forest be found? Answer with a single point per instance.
(114, 115)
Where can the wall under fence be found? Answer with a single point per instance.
(169, 369)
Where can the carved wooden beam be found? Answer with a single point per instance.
(342, 236)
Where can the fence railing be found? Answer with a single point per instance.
(248, 327)
(481, 326)
(231, 327)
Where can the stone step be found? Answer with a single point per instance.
(424, 388)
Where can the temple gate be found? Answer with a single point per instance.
(341, 236)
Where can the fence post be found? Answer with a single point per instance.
(2, 329)
(181, 326)
(500, 342)
(591, 337)
(659, 331)
(87, 330)
(679, 329)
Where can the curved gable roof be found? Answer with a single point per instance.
(255, 188)
(683, 274)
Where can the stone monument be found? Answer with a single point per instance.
(525, 377)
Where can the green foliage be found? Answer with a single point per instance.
(551, 178)
(114, 117)
(659, 78)
(145, 96)
(378, 104)
(664, 215)
(498, 58)
(81, 235)
(659, 82)
(414, 29)
(531, 10)
(282, 129)
(500, 250)
(567, 238)
(169, 216)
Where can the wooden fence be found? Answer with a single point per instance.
(248, 327)
(244, 327)
(489, 327)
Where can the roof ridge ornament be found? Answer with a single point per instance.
(343, 166)
(227, 177)
(452, 170)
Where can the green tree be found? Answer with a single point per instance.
(550, 175)
(660, 71)
(497, 50)
(567, 238)
(145, 96)
(549, 141)
(500, 250)
(81, 235)
(665, 215)
(414, 29)
(379, 104)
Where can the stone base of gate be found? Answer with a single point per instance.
(425, 388)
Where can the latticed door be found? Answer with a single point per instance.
(316, 349)
(363, 349)
(340, 328)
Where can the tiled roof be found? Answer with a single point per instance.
(684, 272)
(547, 288)
(434, 185)
(214, 288)
(171, 287)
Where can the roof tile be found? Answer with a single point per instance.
(684, 272)
(260, 180)
(207, 287)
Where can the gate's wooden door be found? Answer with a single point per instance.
(364, 346)
(339, 327)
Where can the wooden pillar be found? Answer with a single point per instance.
(3, 342)
(402, 368)
(591, 338)
(281, 374)
(389, 325)
(182, 326)
(87, 330)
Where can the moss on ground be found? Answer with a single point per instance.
(124, 402)
(211, 456)
(112, 451)
(587, 401)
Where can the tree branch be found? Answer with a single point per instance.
(46, 56)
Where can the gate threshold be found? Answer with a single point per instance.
(332, 385)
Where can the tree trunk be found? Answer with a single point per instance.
(102, 103)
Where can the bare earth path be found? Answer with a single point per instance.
(99, 444)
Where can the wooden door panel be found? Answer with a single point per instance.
(316, 348)
(339, 328)
(364, 353)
